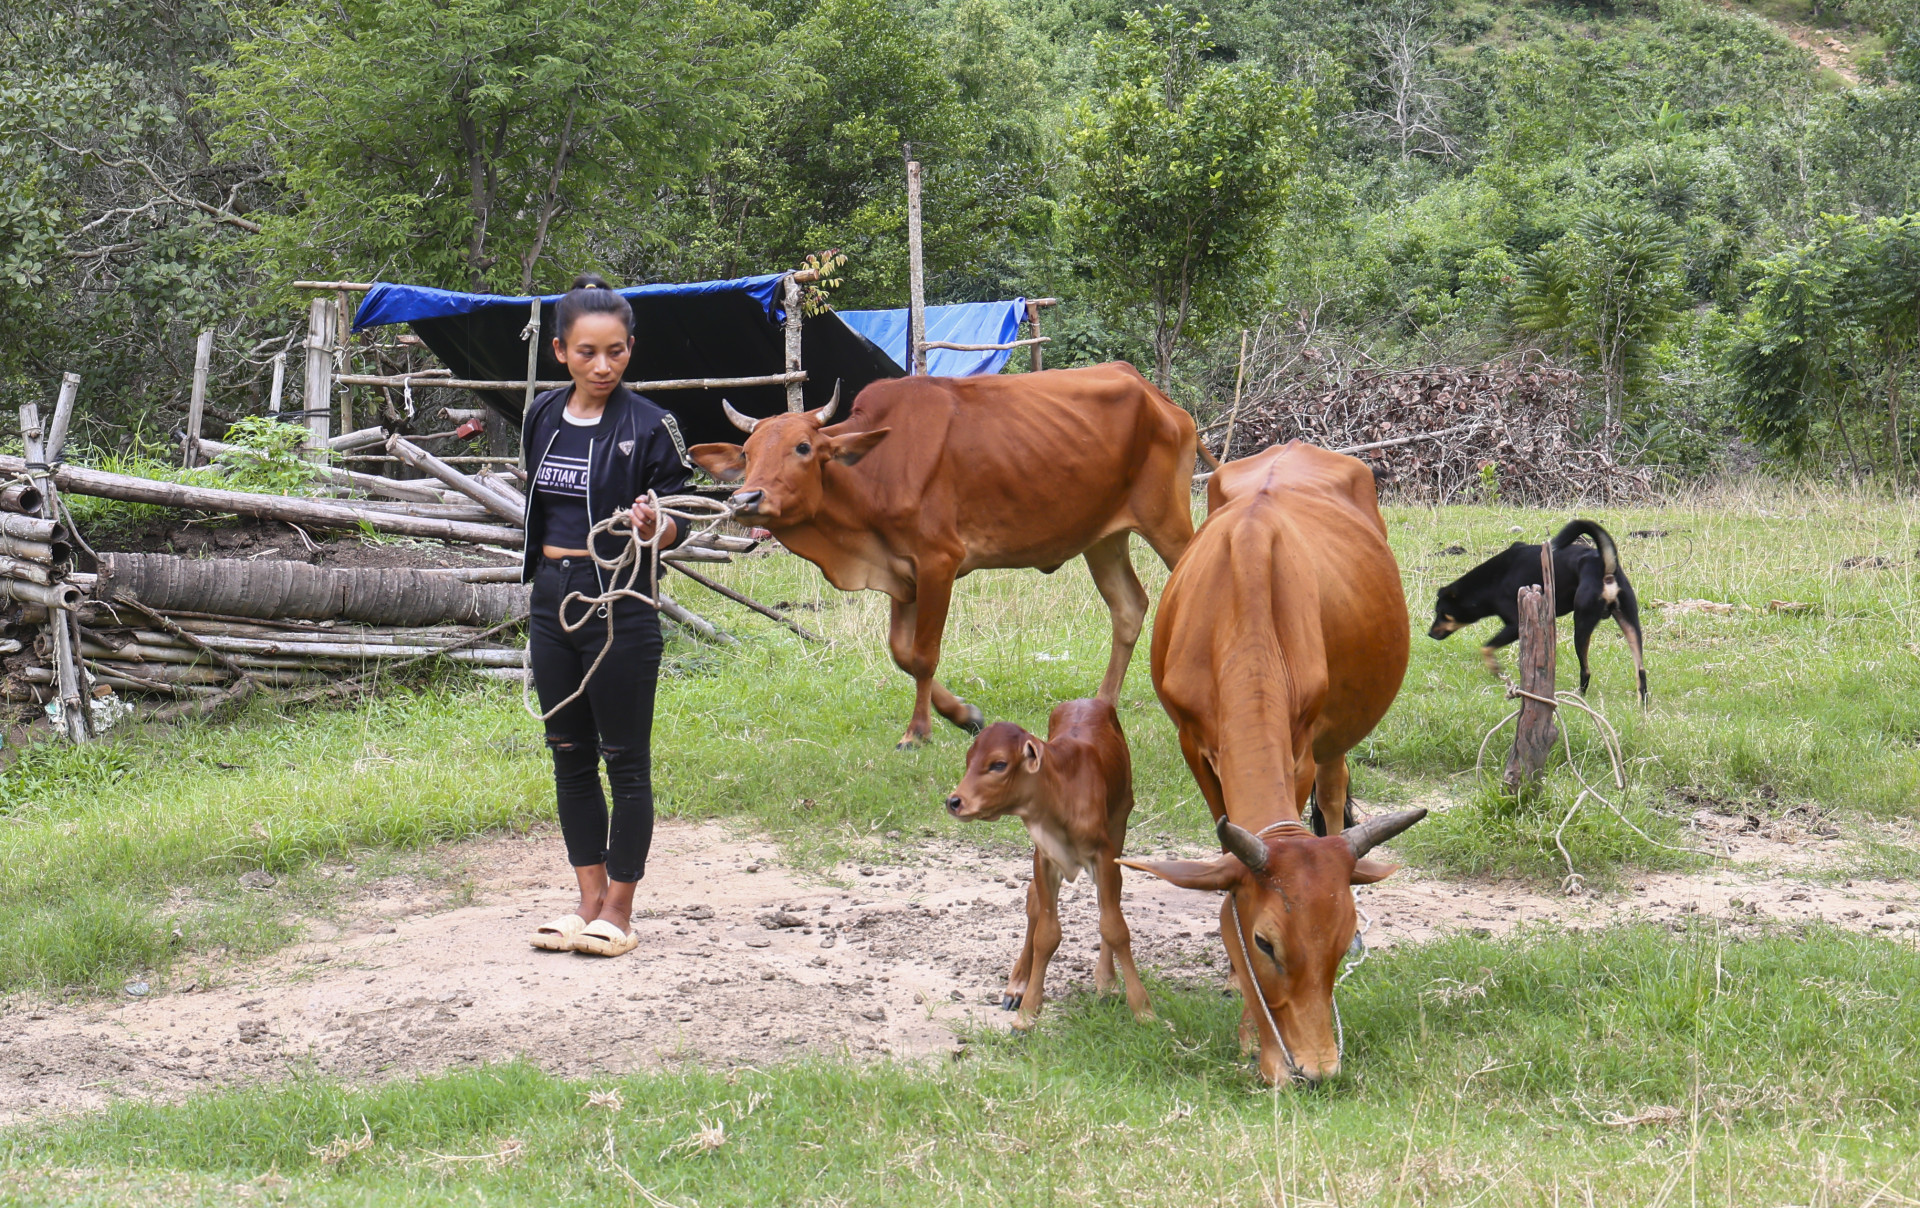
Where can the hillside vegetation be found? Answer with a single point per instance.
(1699, 203)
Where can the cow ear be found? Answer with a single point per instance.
(1367, 870)
(849, 449)
(727, 463)
(1221, 872)
(1030, 756)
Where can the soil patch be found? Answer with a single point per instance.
(744, 961)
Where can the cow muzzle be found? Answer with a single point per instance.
(746, 503)
(955, 805)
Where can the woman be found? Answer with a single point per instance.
(592, 448)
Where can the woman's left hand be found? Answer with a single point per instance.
(644, 519)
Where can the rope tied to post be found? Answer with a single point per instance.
(684, 509)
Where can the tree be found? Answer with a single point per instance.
(467, 141)
(1184, 166)
(1609, 287)
(1406, 96)
(1833, 319)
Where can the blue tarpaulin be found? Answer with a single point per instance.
(965, 323)
(387, 303)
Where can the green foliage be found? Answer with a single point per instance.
(1832, 328)
(473, 142)
(1609, 287)
(270, 457)
(1183, 164)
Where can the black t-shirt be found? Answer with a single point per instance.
(562, 483)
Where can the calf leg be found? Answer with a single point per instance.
(1116, 942)
(1043, 925)
(1017, 980)
(1113, 574)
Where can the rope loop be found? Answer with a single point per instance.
(686, 509)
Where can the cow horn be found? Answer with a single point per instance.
(1243, 844)
(825, 414)
(745, 423)
(1362, 838)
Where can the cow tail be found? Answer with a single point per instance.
(1200, 446)
(1603, 541)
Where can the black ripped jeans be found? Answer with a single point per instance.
(612, 720)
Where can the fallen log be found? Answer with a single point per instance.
(373, 484)
(28, 528)
(267, 590)
(64, 596)
(512, 510)
(22, 497)
(48, 552)
(32, 572)
(315, 513)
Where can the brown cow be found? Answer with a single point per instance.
(931, 478)
(1280, 642)
(1074, 792)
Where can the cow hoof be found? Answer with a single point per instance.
(1010, 1002)
(910, 742)
(975, 721)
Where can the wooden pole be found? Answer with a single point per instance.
(316, 513)
(197, 401)
(69, 689)
(792, 329)
(279, 383)
(532, 334)
(62, 416)
(916, 278)
(342, 326)
(510, 510)
(1535, 732)
(1033, 333)
(1233, 417)
(319, 383)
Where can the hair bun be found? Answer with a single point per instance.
(590, 281)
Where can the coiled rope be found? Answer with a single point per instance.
(685, 509)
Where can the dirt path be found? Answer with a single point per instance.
(887, 963)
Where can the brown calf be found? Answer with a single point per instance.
(1074, 792)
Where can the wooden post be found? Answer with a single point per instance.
(1535, 732)
(62, 416)
(319, 383)
(1033, 332)
(342, 327)
(197, 401)
(916, 278)
(531, 333)
(1233, 417)
(790, 299)
(69, 689)
(279, 383)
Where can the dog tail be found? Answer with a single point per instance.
(1603, 540)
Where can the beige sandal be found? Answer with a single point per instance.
(558, 936)
(601, 938)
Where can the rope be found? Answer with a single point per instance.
(1610, 740)
(689, 509)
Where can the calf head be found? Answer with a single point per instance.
(1290, 900)
(1002, 766)
(783, 466)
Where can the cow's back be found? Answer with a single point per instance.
(1285, 619)
(1023, 469)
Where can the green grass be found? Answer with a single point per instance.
(105, 851)
(1479, 1072)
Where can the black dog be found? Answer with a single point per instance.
(1587, 581)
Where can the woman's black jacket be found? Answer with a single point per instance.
(636, 448)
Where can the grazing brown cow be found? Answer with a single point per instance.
(1280, 642)
(1074, 792)
(931, 478)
